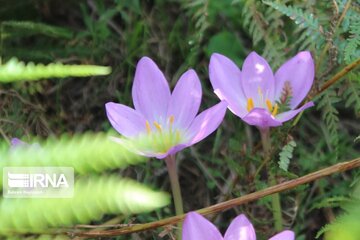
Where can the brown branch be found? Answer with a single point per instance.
(340, 167)
(336, 77)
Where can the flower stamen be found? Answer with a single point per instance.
(269, 105)
(148, 128)
(275, 110)
(158, 126)
(171, 119)
(250, 104)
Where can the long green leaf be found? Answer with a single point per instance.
(15, 70)
(34, 27)
(86, 153)
(94, 196)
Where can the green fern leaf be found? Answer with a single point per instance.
(331, 119)
(286, 155)
(303, 19)
(256, 20)
(94, 196)
(345, 226)
(14, 70)
(41, 28)
(352, 48)
(86, 153)
(352, 93)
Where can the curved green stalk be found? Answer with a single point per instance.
(175, 187)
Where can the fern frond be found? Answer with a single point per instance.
(303, 19)
(330, 117)
(352, 48)
(286, 155)
(261, 25)
(198, 10)
(15, 70)
(86, 153)
(42, 28)
(345, 226)
(252, 21)
(352, 93)
(94, 196)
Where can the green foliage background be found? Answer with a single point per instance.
(182, 34)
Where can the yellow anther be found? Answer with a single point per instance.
(158, 126)
(148, 128)
(250, 104)
(269, 105)
(171, 119)
(275, 110)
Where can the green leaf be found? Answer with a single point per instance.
(42, 28)
(286, 155)
(86, 153)
(303, 19)
(94, 196)
(351, 51)
(14, 70)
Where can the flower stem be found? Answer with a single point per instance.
(175, 187)
(275, 198)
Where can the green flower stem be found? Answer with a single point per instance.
(275, 198)
(175, 187)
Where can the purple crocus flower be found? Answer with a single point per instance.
(163, 122)
(256, 95)
(16, 142)
(197, 227)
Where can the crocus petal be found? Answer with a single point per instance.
(299, 73)
(225, 78)
(206, 122)
(240, 229)
(185, 99)
(150, 92)
(196, 227)
(285, 116)
(262, 118)
(257, 79)
(285, 235)
(125, 120)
